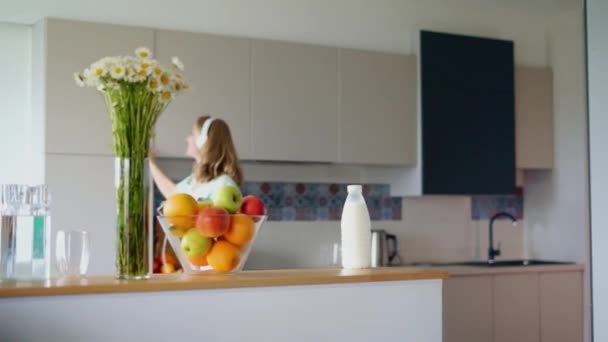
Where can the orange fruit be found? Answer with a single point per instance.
(199, 261)
(169, 259)
(167, 268)
(179, 210)
(224, 256)
(241, 230)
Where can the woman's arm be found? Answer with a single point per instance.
(163, 182)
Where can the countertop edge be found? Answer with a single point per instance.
(457, 271)
(182, 282)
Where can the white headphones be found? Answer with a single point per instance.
(202, 138)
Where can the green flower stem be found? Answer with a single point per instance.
(133, 111)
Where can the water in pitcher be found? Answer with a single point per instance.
(24, 232)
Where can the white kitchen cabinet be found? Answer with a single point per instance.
(467, 309)
(378, 119)
(516, 308)
(294, 102)
(76, 119)
(534, 117)
(561, 305)
(218, 70)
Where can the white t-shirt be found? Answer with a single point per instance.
(203, 191)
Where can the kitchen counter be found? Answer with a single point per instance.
(400, 304)
(458, 270)
(176, 282)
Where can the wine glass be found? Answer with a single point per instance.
(72, 252)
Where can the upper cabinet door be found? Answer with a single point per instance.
(378, 94)
(468, 115)
(219, 73)
(534, 118)
(76, 119)
(294, 102)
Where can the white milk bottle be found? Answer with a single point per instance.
(355, 230)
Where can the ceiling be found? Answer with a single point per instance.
(201, 14)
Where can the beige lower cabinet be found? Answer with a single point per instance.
(467, 309)
(561, 305)
(516, 308)
(522, 307)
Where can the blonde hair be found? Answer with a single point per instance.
(218, 155)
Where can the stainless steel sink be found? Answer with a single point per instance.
(505, 263)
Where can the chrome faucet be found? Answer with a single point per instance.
(492, 252)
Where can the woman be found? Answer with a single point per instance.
(215, 162)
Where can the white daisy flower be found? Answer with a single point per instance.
(132, 76)
(143, 52)
(117, 72)
(165, 96)
(154, 85)
(147, 65)
(90, 78)
(178, 84)
(143, 70)
(79, 79)
(99, 69)
(130, 61)
(177, 63)
(165, 80)
(158, 70)
(177, 87)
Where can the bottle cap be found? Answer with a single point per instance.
(354, 188)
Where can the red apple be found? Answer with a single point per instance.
(252, 206)
(212, 221)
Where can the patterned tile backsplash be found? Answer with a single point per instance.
(324, 201)
(484, 207)
(320, 201)
(317, 201)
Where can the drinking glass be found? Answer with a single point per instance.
(41, 199)
(9, 198)
(72, 252)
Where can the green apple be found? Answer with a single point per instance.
(228, 197)
(194, 244)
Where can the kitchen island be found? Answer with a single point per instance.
(280, 305)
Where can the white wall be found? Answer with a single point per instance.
(556, 201)
(16, 151)
(597, 62)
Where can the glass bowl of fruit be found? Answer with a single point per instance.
(212, 236)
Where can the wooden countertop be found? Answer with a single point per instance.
(178, 282)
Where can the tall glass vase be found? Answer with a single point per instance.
(134, 218)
